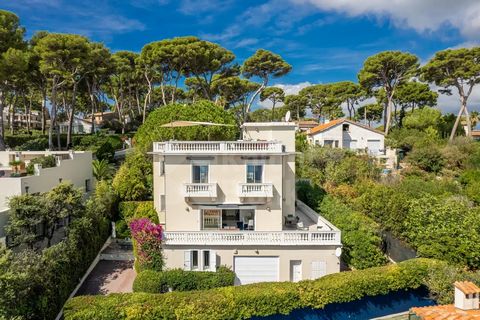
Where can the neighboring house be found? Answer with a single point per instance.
(75, 167)
(347, 134)
(466, 305)
(20, 119)
(101, 117)
(476, 134)
(233, 203)
(79, 126)
(305, 125)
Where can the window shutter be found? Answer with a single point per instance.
(213, 260)
(187, 260)
(319, 269)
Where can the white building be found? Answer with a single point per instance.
(347, 134)
(233, 203)
(75, 167)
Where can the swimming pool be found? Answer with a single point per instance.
(364, 309)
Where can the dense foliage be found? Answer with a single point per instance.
(263, 299)
(134, 180)
(45, 162)
(202, 111)
(151, 281)
(35, 285)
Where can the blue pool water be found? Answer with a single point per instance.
(364, 309)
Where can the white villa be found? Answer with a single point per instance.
(347, 134)
(75, 167)
(233, 203)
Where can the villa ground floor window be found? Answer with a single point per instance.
(200, 260)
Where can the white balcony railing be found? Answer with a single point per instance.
(231, 147)
(200, 190)
(255, 190)
(235, 238)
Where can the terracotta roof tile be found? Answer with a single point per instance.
(333, 123)
(475, 133)
(445, 312)
(467, 287)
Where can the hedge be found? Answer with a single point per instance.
(179, 280)
(263, 299)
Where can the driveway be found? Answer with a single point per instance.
(109, 277)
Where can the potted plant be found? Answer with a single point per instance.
(16, 166)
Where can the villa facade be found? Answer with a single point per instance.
(233, 203)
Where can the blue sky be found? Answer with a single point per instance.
(324, 40)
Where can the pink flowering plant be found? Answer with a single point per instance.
(147, 238)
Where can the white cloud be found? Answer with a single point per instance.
(421, 15)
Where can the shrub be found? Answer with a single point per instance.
(360, 234)
(134, 180)
(46, 162)
(310, 194)
(37, 144)
(179, 280)
(147, 238)
(427, 158)
(263, 299)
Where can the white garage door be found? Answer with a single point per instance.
(256, 269)
(373, 146)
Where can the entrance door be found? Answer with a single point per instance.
(295, 270)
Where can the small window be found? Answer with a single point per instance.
(87, 185)
(206, 260)
(199, 173)
(346, 127)
(254, 173)
(161, 168)
(194, 259)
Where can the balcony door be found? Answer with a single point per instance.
(254, 173)
(199, 173)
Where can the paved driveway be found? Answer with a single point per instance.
(109, 277)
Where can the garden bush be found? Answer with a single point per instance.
(263, 299)
(179, 280)
(129, 210)
(36, 144)
(46, 162)
(147, 240)
(134, 180)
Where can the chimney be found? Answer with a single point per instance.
(466, 295)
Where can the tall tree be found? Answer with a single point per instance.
(297, 105)
(11, 36)
(411, 95)
(275, 95)
(233, 90)
(369, 112)
(62, 61)
(387, 70)
(459, 69)
(323, 101)
(264, 64)
(348, 93)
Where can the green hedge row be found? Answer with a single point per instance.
(244, 302)
(179, 280)
(129, 210)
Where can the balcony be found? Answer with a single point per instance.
(239, 238)
(222, 147)
(200, 190)
(255, 190)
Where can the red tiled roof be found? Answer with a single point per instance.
(467, 287)
(333, 123)
(475, 133)
(445, 312)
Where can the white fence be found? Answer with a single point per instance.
(217, 147)
(282, 238)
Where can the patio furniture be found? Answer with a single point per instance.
(290, 219)
(250, 225)
(301, 226)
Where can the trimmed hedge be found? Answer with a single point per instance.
(179, 280)
(263, 299)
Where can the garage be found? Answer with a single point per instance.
(255, 269)
(373, 146)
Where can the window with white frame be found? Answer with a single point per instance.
(199, 173)
(254, 173)
(200, 260)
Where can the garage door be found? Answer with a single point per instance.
(256, 269)
(373, 146)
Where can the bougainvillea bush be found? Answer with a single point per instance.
(147, 238)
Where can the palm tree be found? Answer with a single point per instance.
(102, 170)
